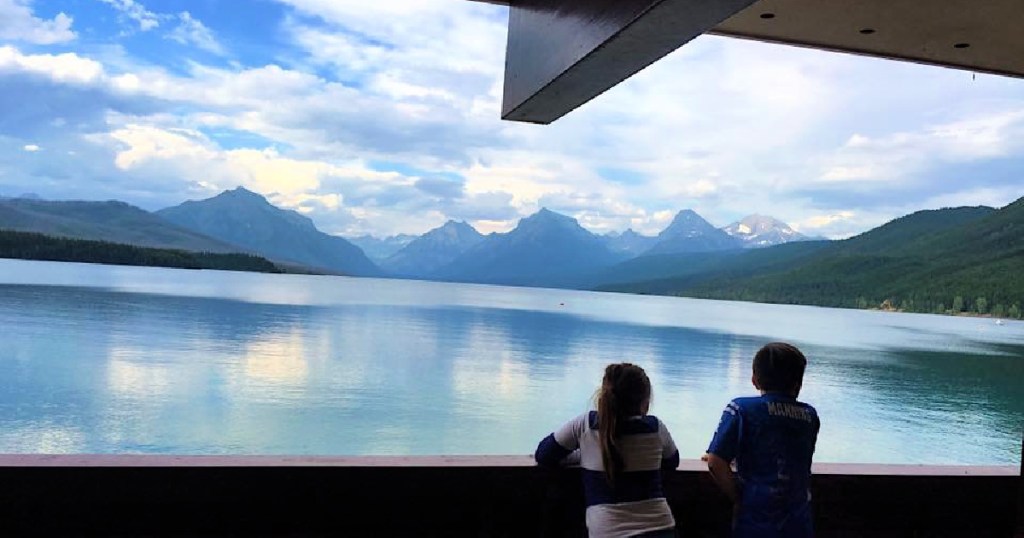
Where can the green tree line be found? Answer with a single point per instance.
(950, 261)
(33, 246)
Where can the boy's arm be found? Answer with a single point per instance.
(817, 429)
(723, 476)
(723, 449)
(554, 448)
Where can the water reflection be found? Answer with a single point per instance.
(94, 370)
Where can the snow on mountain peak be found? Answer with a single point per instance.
(762, 231)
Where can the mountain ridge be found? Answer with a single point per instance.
(689, 232)
(379, 249)
(950, 260)
(111, 221)
(247, 219)
(918, 262)
(433, 250)
(541, 249)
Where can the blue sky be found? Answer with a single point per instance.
(383, 117)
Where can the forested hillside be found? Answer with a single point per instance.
(944, 261)
(33, 246)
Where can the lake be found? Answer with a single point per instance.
(104, 359)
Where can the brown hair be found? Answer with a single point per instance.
(624, 391)
(779, 367)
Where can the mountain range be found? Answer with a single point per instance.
(953, 260)
(547, 248)
(379, 249)
(914, 262)
(542, 250)
(436, 249)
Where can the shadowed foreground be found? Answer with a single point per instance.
(452, 496)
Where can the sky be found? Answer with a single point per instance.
(384, 117)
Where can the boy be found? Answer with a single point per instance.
(771, 438)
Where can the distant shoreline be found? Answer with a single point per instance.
(40, 247)
(299, 271)
(964, 314)
(948, 313)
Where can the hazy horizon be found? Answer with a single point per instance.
(514, 223)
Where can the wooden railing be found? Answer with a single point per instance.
(452, 496)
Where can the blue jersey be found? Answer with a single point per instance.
(771, 438)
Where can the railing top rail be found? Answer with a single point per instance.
(140, 460)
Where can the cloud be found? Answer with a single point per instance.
(818, 222)
(67, 67)
(345, 198)
(842, 224)
(485, 206)
(723, 126)
(174, 152)
(320, 117)
(965, 139)
(434, 67)
(188, 30)
(191, 31)
(119, 112)
(17, 23)
(136, 13)
(441, 188)
(62, 94)
(31, 148)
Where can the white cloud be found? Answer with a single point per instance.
(853, 173)
(191, 31)
(136, 12)
(726, 127)
(977, 137)
(188, 30)
(983, 196)
(817, 222)
(174, 154)
(190, 153)
(846, 223)
(68, 67)
(31, 148)
(17, 23)
(408, 107)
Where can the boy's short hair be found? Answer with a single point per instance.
(779, 366)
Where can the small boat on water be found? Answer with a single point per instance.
(999, 322)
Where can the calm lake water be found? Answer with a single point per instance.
(98, 359)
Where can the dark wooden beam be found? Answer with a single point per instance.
(135, 495)
(984, 37)
(564, 53)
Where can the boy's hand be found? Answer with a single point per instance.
(704, 458)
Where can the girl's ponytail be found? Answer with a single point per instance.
(624, 392)
(607, 415)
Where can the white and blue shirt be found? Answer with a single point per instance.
(635, 503)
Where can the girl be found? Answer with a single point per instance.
(622, 450)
